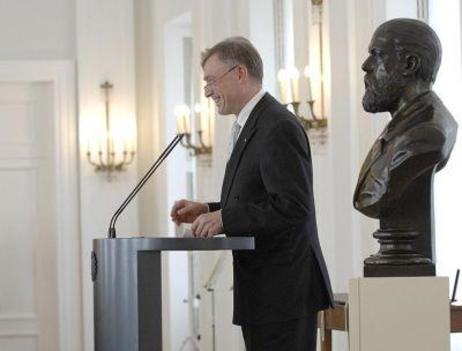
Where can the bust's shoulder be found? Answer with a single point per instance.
(441, 117)
(427, 120)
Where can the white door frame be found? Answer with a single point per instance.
(61, 75)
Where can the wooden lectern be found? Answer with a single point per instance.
(127, 287)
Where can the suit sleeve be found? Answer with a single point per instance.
(214, 206)
(286, 173)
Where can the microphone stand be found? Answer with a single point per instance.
(149, 173)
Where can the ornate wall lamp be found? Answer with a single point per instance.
(112, 152)
(290, 96)
(289, 80)
(202, 122)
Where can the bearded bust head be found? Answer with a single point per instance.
(402, 53)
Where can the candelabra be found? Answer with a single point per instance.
(308, 123)
(313, 122)
(200, 149)
(183, 120)
(289, 88)
(106, 159)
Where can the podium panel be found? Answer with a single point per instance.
(128, 284)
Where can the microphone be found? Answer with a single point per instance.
(112, 231)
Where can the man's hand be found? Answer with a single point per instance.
(185, 211)
(207, 225)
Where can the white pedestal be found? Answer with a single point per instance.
(399, 314)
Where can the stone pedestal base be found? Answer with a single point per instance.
(399, 314)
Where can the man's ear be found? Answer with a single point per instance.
(411, 65)
(242, 72)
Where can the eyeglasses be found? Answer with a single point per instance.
(214, 81)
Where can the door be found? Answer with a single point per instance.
(28, 238)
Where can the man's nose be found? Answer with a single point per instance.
(207, 92)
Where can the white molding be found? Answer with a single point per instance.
(68, 224)
(23, 164)
(18, 325)
(17, 316)
(62, 76)
(12, 102)
(423, 10)
(279, 34)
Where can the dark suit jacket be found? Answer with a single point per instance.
(267, 193)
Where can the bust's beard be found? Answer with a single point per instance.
(384, 94)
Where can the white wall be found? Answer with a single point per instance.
(37, 29)
(105, 51)
(178, 169)
(38, 40)
(446, 21)
(107, 36)
(159, 28)
(102, 30)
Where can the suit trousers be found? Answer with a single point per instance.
(294, 335)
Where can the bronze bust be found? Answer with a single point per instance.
(395, 181)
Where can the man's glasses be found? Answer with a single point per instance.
(214, 81)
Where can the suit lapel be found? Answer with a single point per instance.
(405, 119)
(373, 155)
(244, 138)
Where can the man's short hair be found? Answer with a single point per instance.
(417, 38)
(237, 50)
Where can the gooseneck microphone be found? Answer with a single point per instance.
(111, 231)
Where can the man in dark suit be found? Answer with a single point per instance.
(395, 181)
(267, 193)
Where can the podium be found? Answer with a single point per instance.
(127, 288)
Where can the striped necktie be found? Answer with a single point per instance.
(234, 135)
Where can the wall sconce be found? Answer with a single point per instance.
(110, 155)
(290, 96)
(289, 80)
(203, 123)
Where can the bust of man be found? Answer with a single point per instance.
(395, 181)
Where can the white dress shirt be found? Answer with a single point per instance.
(247, 109)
